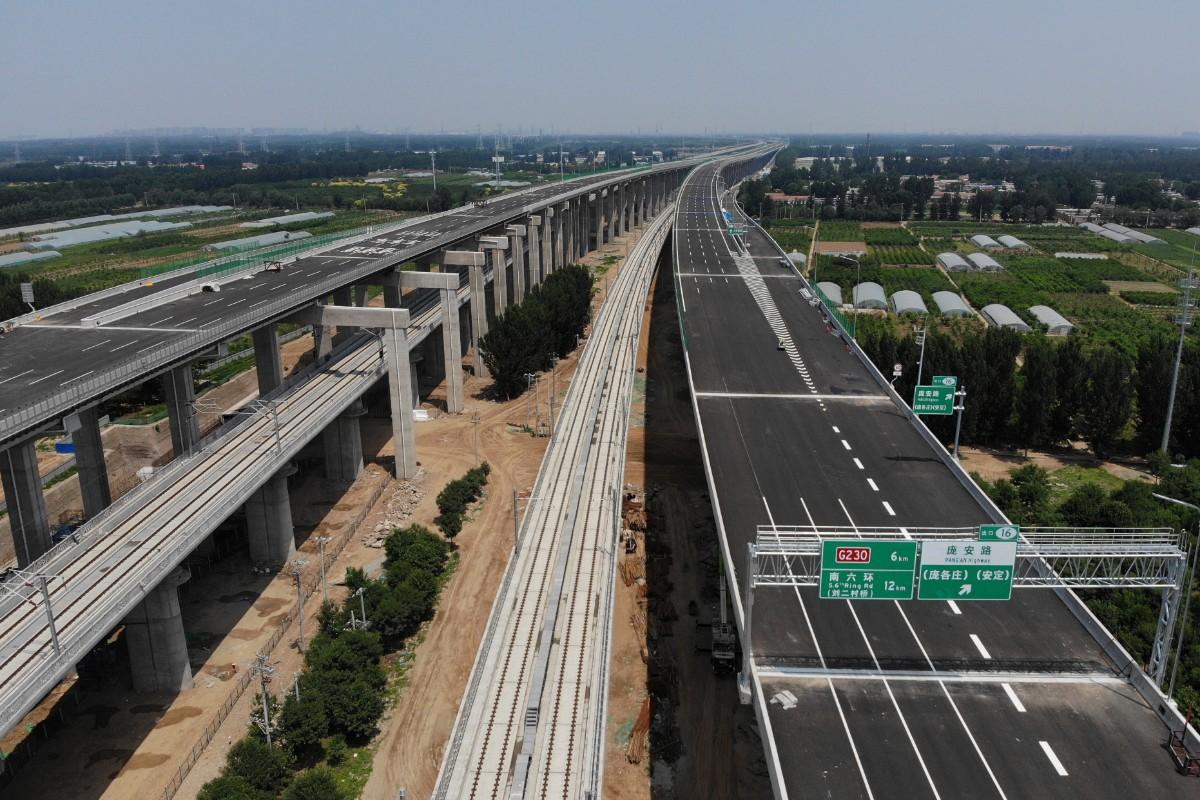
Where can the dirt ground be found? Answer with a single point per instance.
(993, 464)
(415, 732)
(667, 708)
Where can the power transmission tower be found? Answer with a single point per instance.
(1184, 320)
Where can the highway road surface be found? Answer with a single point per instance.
(880, 699)
(46, 360)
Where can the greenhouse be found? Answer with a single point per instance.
(1004, 317)
(951, 304)
(907, 301)
(869, 294)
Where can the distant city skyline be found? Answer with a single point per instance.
(1071, 68)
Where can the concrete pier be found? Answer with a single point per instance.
(268, 360)
(89, 461)
(496, 247)
(154, 635)
(342, 440)
(516, 238)
(27, 517)
(533, 225)
(180, 395)
(269, 529)
(547, 228)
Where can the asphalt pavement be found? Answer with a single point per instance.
(797, 432)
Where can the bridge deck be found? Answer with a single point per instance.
(804, 435)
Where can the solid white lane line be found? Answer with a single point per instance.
(51, 375)
(871, 482)
(1016, 701)
(954, 607)
(858, 464)
(888, 508)
(979, 646)
(845, 444)
(1054, 762)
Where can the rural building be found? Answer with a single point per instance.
(983, 240)
(831, 291)
(1056, 324)
(982, 262)
(1004, 317)
(869, 294)
(907, 301)
(951, 304)
(953, 262)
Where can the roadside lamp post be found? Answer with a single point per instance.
(857, 281)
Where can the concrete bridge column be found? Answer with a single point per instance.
(533, 224)
(516, 238)
(600, 203)
(268, 361)
(473, 260)
(569, 255)
(581, 228)
(548, 215)
(269, 529)
(180, 395)
(496, 245)
(158, 655)
(400, 385)
(559, 213)
(28, 521)
(452, 351)
(625, 222)
(342, 297)
(611, 232)
(342, 440)
(89, 461)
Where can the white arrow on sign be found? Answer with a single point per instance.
(965, 590)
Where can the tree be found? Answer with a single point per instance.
(230, 787)
(1110, 398)
(1035, 401)
(259, 764)
(302, 723)
(1155, 359)
(314, 784)
(1071, 386)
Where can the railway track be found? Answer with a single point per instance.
(121, 554)
(532, 690)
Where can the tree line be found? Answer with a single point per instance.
(545, 325)
(1033, 390)
(341, 690)
(1130, 614)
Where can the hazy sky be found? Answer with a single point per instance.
(1063, 66)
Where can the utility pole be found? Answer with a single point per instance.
(264, 670)
(433, 168)
(296, 685)
(475, 426)
(41, 581)
(922, 335)
(321, 542)
(297, 571)
(960, 406)
(1185, 591)
(1184, 319)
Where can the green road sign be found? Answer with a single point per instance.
(967, 570)
(933, 400)
(999, 533)
(859, 569)
(734, 230)
(945, 380)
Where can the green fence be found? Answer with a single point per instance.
(845, 319)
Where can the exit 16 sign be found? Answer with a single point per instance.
(860, 569)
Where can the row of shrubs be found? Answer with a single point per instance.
(341, 690)
(544, 326)
(458, 494)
